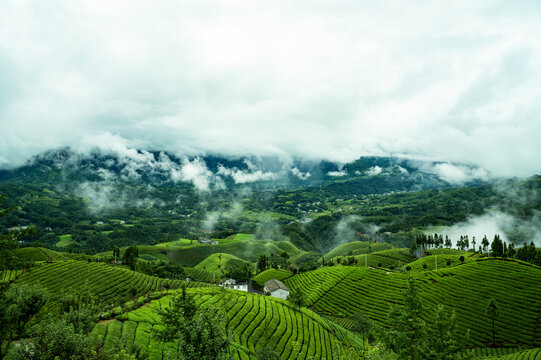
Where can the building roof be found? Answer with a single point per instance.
(272, 285)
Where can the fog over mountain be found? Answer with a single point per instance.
(449, 82)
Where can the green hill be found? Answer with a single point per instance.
(439, 261)
(279, 274)
(356, 248)
(111, 284)
(243, 247)
(340, 291)
(532, 354)
(213, 262)
(390, 258)
(253, 320)
(44, 254)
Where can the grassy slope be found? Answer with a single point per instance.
(44, 254)
(440, 261)
(253, 320)
(244, 248)
(342, 290)
(532, 354)
(65, 240)
(279, 274)
(108, 282)
(212, 262)
(355, 248)
(387, 258)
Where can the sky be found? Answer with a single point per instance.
(446, 81)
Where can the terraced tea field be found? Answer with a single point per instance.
(243, 247)
(266, 275)
(383, 258)
(110, 284)
(532, 354)
(252, 320)
(356, 248)
(439, 261)
(44, 254)
(338, 292)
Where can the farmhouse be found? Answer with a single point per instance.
(235, 285)
(276, 288)
(208, 241)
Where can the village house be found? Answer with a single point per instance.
(276, 288)
(208, 241)
(235, 285)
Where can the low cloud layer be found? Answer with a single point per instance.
(509, 227)
(453, 82)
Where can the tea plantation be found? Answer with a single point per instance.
(253, 321)
(340, 291)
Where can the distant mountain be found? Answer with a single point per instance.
(67, 168)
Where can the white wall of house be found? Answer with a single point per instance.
(280, 293)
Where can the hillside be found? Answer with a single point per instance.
(252, 320)
(338, 292)
(110, 284)
(243, 247)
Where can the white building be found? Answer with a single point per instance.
(234, 285)
(276, 288)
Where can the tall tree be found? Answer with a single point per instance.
(130, 256)
(199, 333)
(297, 298)
(493, 311)
(443, 340)
(496, 248)
(18, 304)
(407, 334)
(362, 324)
(485, 244)
(24, 302)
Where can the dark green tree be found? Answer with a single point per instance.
(443, 340)
(130, 256)
(262, 262)
(116, 252)
(407, 334)
(181, 310)
(297, 299)
(284, 255)
(496, 248)
(485, 244)
(24, 302)
(492, 311)
(18, 304)
(362, 324)
(266, 354)
(199, 333)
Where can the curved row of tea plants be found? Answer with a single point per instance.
(279, 274)
(10, 275)
(339, 292)
(252, 321)
(384, 258)
(532, 354)
(110, 284)
(441, 261)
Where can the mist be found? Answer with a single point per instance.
(445, 82)
(510, 228)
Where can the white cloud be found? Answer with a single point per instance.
(374, 170)
(194, 171)
(455, 174)
(337, 173)
(492, 223)
(449, 81)
(243, 177)
(301, 175)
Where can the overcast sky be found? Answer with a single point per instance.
(445, 80)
